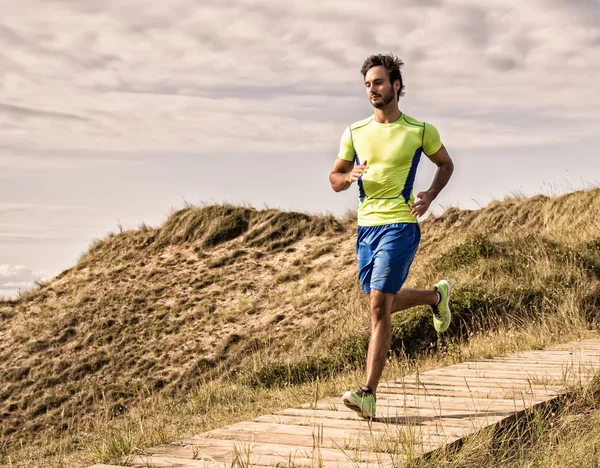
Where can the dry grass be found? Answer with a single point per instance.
(124, 350)
(564, 433)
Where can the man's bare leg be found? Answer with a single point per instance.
(382, 305)
(381, 336)
(407, 298)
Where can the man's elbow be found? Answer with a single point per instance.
(333, 182)
(448, 164)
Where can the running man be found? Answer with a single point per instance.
(381, 155)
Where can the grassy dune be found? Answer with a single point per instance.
(225, 312)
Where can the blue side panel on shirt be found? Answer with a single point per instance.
(361, 189)
(410, 179)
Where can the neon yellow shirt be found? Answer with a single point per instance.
(392, 151)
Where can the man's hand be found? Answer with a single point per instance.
(356, 173)
(442, 160)
(344, 174)
(445, 168)
(420, 207)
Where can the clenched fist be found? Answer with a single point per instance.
(420, 207)
(357, 172)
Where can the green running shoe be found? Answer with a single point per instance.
(362, 401)
(441, 311)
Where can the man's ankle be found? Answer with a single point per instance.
(368, 390)
(439, 296)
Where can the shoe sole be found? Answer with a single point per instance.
(351, 403)
(448, 304)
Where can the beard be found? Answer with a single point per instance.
(385, 100)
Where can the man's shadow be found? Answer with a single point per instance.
(416, 420)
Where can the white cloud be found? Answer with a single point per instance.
(17, 278)
(212, 76)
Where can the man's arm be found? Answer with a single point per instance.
(442, 160)
(344, 174)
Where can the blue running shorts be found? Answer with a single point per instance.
(385, 254)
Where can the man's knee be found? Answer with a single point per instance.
(380, 304)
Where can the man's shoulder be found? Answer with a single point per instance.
(361, 123)
(412, 121)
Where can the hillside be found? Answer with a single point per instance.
(268, 299)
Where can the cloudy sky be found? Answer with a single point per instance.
(116, 112)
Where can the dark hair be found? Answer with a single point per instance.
(391, 63)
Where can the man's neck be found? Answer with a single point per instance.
(388, 114)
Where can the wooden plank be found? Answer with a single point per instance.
(450, 427)
(559, 355)
(354, 435)
(480, 397)
(553, 349)
(333, 438)
(246, 454)
(410, 401)
(536, 361)
(471, 374)
(554, 360)
(446, 422)
(584, 365)
(449, 390)
(589, 349)
(182, 452)
(418, 412)
(456, 388)
(503, 369)
(467, 392)
(326, 430)
(475, 383)
(254, 460)
(586, 344)
(398, 417)
(105, 466)
(540, 359)
(142, 461)
(364, 427)
(525, 366)
(282, 453)
(441, 378)
(455, 400)
(431, 409)
(558, 378)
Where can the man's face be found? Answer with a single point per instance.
(378, 87)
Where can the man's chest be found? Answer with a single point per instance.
(388, 146)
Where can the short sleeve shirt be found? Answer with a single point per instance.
(392, 152)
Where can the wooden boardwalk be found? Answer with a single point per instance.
(416, 414)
